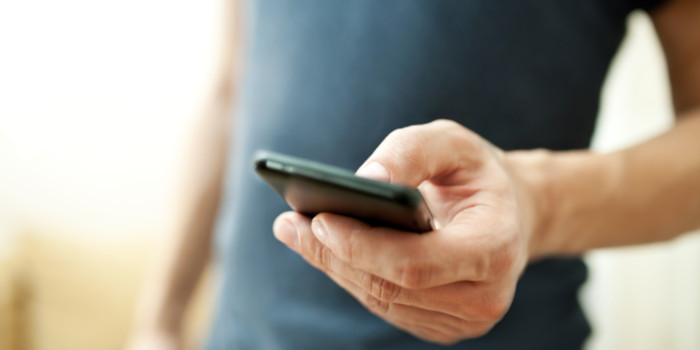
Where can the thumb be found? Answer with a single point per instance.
(411, 155)
(375, 171)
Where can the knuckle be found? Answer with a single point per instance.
(447, 126)
(348, 250)
(496, 262)
(479, 330)
(480, 267)
(383, 289)
(412, 275)
(321, 256)
(377, 306)
(493, 309)
(399, 137)
(464, 312)
(488, 305)
(462, 138)
(409, 141)
(443, 123)
(471, 330)
(501, 259)
(464, 326)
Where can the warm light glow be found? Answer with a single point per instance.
(95, 100)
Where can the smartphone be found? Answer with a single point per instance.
(310, 188)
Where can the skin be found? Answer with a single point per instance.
(180, 262)
(499, 211)
(444, 285)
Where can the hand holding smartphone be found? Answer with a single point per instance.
(310, 188)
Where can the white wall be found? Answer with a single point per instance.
(644, 297)
(98, 103)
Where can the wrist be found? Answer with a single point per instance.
(570, 195)
(532, 171)
(159, 314)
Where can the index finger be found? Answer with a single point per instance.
(451, 254)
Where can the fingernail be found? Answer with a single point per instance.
(319, 231)
(374, 171)
(286, 232)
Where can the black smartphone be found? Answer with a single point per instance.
(311, 187)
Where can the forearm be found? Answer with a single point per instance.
(177, 270)
(184, 256)
(646, 193)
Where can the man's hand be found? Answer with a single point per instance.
(453, 283)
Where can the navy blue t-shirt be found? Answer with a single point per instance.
(329, 79)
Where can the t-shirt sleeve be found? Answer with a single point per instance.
(623, 8)
(647, 5)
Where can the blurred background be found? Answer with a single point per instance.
(101, 101)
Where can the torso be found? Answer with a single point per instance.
(327, 80)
